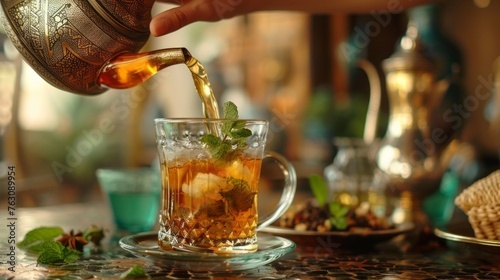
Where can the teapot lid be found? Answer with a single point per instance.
(410, 53)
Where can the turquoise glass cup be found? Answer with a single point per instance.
(133, 196)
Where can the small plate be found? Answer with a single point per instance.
(339, 239)
(461, 236)
(145, 246)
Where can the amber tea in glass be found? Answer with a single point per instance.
(209, 201)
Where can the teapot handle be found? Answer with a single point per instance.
(374, 102)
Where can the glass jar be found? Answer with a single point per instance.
(353, 177)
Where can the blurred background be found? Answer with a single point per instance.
(298, 71)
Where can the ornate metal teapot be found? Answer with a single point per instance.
(410, 154)
(412, 145)
(73, 44)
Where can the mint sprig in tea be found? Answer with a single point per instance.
(234, 135)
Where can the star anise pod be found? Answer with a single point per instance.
(74, 241)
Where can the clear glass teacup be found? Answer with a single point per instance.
(210, 180)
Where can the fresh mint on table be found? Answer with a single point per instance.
(55, 252)
(234, 135)
(134, 272)
(34, 239)
(338, 212)
(42, 241)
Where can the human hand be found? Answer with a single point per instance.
(190, 11)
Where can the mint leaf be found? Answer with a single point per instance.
(240, 197)
(214, 145)
(233, 140)
(36, 237)
(232, 128)
(211, 141)
(54, 252)
(227, 127)
(338, 214)
(237, 125)
(135, 271)
(240, 132)
(339, 223)
(71, 255)
(319, 189)
(230, 111)
(338, 210)
(223, 152)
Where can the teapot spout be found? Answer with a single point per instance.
(128, 70)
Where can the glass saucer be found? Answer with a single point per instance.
(145, 246)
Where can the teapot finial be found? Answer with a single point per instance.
(411, 39)
(410, 53)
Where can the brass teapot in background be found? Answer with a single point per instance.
(77, 45)
(411, 152)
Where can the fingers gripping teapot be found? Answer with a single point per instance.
(82, 46)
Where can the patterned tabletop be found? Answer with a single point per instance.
(426, 257)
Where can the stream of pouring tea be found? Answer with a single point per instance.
(129, 70)
(202, 85)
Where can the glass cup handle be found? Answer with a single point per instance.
(289, 189)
